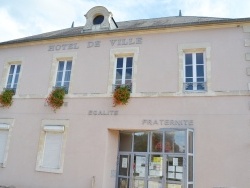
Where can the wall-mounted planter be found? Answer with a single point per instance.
(121, 95)
(56, 98)
(6, 97)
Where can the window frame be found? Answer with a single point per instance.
(15, 73)
(6, 71)
(118, 53)
(194, 77)
(124, 69)
(205, 48)
(45, 130)
(64, 71)
(7, 125)
(69, 56)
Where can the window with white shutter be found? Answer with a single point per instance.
(3, 143)
(4, 138)
(52, 150)
(50, 156)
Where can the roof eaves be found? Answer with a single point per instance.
(196, 23)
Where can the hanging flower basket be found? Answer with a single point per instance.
(6, 97)
(55, 99)
(121, 95)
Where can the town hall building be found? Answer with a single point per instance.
(185, 122)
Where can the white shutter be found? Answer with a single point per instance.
(3, 142)
(54, 128)
(4, 126)
(52, 150)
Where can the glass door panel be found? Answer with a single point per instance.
(155, 171)
(190, 158)
(154, 184)
(138, 183)
(124, 164)
(123, 182)
(139, 171)
(174, 172)
(157, 159)
(124, 171)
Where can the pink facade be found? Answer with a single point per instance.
(218, 114)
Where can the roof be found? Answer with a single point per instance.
(133, 25)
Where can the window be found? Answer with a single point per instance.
(123, 68)
(11, 73)
(194, 70)
(123, 71)
(51, 147)
(13, 76)
(63, 74)
(98, 19)
(62, 70)
(5, 130)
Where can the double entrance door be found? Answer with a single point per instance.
(139, 170)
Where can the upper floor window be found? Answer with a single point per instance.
(123, 68)
(194, 72)
(13, 76)
(123, 71)
(195, 68)
(63, 74)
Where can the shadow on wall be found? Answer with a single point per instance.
(1, 186)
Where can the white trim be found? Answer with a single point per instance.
(63, 71)
(4, 126)
(54, 128)
(124, 66)
(194, 69)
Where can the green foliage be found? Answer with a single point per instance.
(6, 98)
(121, 95)
(55, 99)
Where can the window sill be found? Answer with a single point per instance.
(195, 91)
(50, 170)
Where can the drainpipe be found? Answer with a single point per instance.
(93, 182)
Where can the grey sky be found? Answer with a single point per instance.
(21, 18)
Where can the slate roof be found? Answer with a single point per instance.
(144, 24)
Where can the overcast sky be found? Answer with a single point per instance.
(21, 18)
